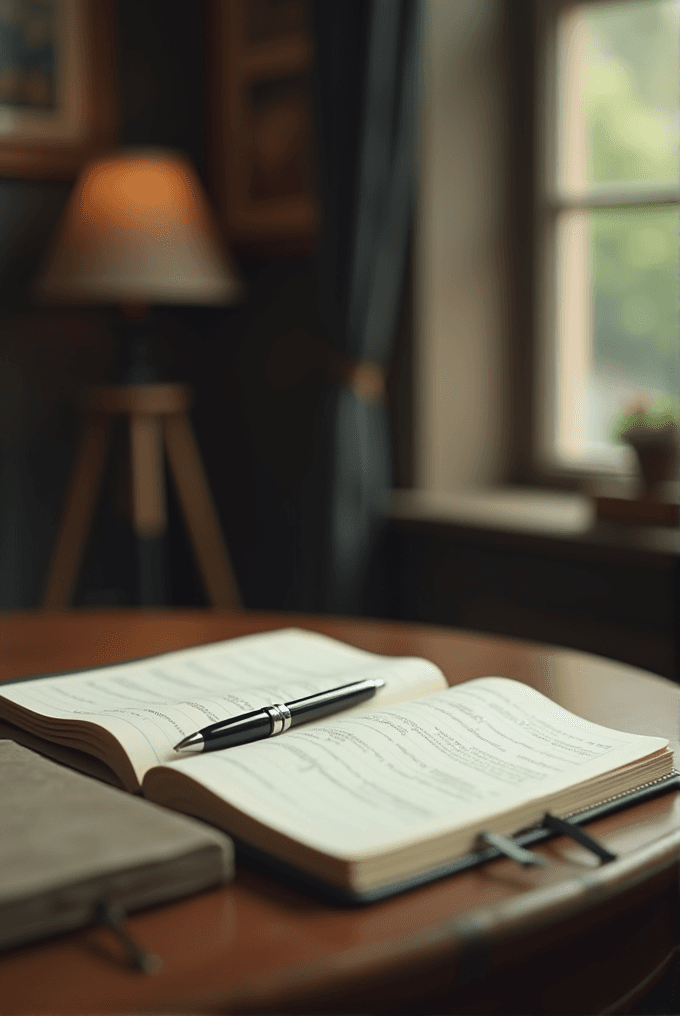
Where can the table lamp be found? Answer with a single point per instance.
(137, 230)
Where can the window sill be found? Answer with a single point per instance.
(562, 516)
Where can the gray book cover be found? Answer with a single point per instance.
(68, 842)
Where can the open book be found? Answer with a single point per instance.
(367, 800)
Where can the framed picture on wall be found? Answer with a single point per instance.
(261, 129)
(57, 85)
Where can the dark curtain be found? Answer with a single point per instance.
(369, 65)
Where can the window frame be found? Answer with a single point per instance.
(549, 205)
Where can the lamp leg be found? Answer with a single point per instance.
(149, 508)
(78, 509)
(199, 512)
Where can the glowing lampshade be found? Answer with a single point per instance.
(137, 228)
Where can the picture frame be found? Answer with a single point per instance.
(261, 162)
(57, 85)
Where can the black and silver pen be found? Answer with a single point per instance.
(274, 719)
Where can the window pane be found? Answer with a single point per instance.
(617, 322)
(619, 93)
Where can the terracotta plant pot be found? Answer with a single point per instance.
(658, 452)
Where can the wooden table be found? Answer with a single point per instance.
(573, 937)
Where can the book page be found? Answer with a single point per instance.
(151, 705)
(355, 786)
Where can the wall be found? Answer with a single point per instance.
(462, 260)
(229, 356)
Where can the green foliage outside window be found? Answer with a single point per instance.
(631, 88)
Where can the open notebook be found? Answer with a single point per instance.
(385, 794)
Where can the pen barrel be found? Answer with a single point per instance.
(327, 703)
(252, 726)
(275, 719)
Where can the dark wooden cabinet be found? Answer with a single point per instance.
(593, 594)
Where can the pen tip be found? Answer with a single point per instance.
(379, 683)
(192, 743)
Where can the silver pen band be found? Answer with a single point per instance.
(279, 714)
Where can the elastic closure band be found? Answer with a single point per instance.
(566, 828)
(112, 916)
(511, 849)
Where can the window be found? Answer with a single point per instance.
(609, 225)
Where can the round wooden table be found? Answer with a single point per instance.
(573, 937)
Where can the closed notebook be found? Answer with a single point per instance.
(68, 842)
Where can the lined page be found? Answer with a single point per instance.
(150, 705)
(353, 786)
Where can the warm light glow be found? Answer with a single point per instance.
(137, 228)
(138, 189)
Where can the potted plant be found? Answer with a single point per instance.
(654, 436)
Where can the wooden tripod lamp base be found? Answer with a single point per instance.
(158, 417)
